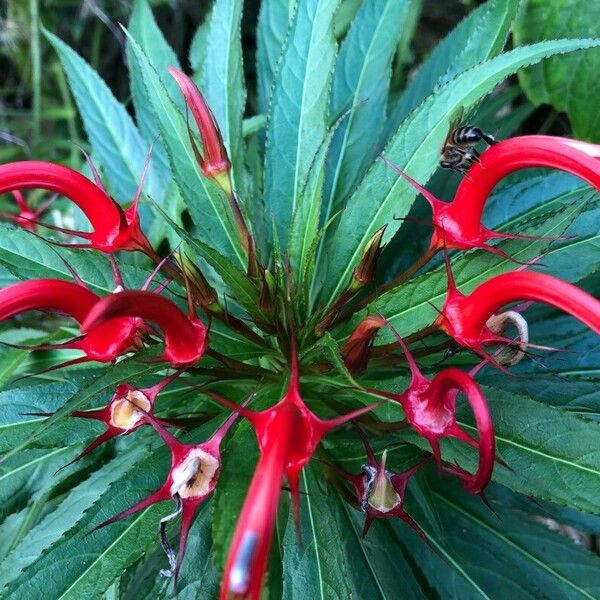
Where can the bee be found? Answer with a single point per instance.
(459, 151)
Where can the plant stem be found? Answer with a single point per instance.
(36, 71)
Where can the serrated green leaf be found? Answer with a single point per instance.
(510, 552)
(380, 198)
(479, 36)
(297, 118)
(318, 568)
(197, 53)
(114, 137)
(568, 83)
(223, 79)
(70, 510)
(102, 555)
(360, 85)
(205, 201)
(273, 23)
(29, 257)
(552, 454)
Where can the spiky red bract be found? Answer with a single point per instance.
(430, 409)
(192, 478)
(458, 224)
(185, 336)
(112, 228)
(127, 411)
(288, 434)
(375, 480)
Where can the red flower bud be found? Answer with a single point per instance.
(357, 348)
(215, 162)
(113, 228)
(185, 336)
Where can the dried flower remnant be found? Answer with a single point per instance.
(191, 479)
(380, 493)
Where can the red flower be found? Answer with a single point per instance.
(465, 317)
(191, 479)
(185, 336)
(113, 228)
(458, 224)
(288, 434)
(104, 344)
(215, 162)
(27, 217)
(430, 409)
(380, 493)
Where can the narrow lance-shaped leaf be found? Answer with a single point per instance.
(415, 149)
(114, 137)
(317, 569)
(568, 83)
(478, 37)
(146, 32)
(360, 85)
(298, 108)
(273, 23)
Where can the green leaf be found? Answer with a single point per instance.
(415, 149)
(317, 569)
(304, 229)
(197, 53)
(568, 83)
(510, 552)
(223, 79)
(205, 201)
(552, 454)
(273, 23)
(29, 257)
(360, 85)
(103, 554)
(67, 514)
(114, 137)
(297, 119)
(145, 31)
(479, 36)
